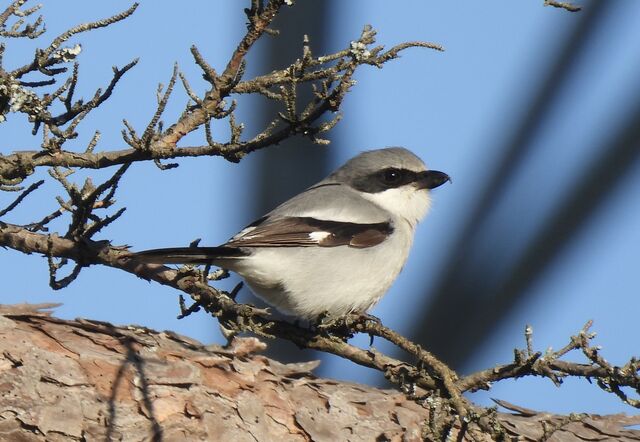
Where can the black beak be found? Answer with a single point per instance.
(430, 179)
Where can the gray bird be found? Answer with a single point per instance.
(336, 247)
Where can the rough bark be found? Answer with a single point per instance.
(90, 380)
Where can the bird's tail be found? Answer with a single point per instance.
(188, 255)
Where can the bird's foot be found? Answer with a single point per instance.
(336, 326)
(366, 317)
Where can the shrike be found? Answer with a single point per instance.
(333, 249)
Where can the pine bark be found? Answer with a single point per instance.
(90, 380)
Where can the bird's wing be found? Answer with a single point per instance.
(293, 231)
(332, 201)
(279, 232)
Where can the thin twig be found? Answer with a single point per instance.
(563, 5)
(21, 197)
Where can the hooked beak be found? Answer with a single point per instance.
(430, 179)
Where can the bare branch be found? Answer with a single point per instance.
(563, 5)
(79, 108)
(209, 74)
(30, 30)
(150, 132)
(50, 52)
(57, 284)
(335, 82)
(21, 197)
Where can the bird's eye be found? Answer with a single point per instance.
(391, 176)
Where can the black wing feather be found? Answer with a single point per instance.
(188, 255)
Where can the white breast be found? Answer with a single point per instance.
(407, 202)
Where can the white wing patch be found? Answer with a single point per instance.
(319, 236)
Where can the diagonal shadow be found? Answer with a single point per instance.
(617, 159)
(459, 309)
(132, 359)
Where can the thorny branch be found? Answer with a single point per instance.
(330, 76)
(421, 376)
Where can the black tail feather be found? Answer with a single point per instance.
(188, 255)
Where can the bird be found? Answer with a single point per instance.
(336, 247)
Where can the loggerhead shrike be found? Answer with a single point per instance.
(336, 247)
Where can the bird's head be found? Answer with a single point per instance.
(393, 178)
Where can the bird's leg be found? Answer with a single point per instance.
(354, 319)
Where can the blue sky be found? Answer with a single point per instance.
(454, 109)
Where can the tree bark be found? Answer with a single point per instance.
(91, 380)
